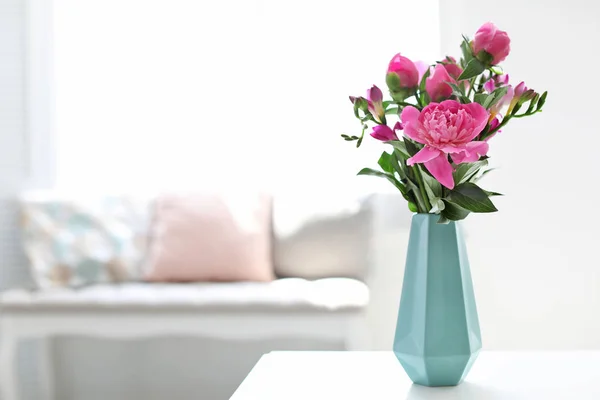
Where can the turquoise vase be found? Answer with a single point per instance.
(437, 334)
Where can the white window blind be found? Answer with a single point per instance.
(189, 92)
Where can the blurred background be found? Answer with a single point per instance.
(144, 97)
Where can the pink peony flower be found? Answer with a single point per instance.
(493, 41)
(375, 103)
(406, 71)
(385, 133)
(445, 128)
(436, 84)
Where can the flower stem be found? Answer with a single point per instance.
(471, 84)
(504, 122)
(417, 97)
(422, 188)
(404, 104)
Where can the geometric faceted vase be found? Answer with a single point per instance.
(437, 334)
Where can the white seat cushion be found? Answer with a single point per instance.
(283, 295)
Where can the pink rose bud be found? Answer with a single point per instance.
(406, 71)
(375, 99)
(454, 70)
(383, 133)
(493, 41)
(437, 86)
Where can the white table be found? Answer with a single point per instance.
(379, 376)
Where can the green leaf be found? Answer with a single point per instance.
(465, 171)
(471, 197)
(477, 178)
(473, 68)
(385, 162)
(398, 164)
(391, 110)
(424, 97)
(432, 187)
(495, 97)
(532, 103)
(481, 98)
(417, 194)
(466, 49)
(400, 146)
(389, 177)
(456, 89)
(459, 92)
(453, 212)
(542, 100)
(425, 76)
(411, 148)
(490, 194)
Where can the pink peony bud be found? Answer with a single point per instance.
(406, 70)
(493, 41)
(454, 70)
(436, 84)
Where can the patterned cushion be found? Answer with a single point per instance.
(74, 242)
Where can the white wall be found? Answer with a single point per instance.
(535, 263)
(88, 368)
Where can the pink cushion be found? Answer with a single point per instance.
(210, 237)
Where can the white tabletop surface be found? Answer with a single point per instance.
(379, 376)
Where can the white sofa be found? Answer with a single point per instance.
(325, 298)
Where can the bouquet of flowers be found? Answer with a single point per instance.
(447, 112)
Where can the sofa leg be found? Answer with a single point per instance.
(46, 368)
(8, 381)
